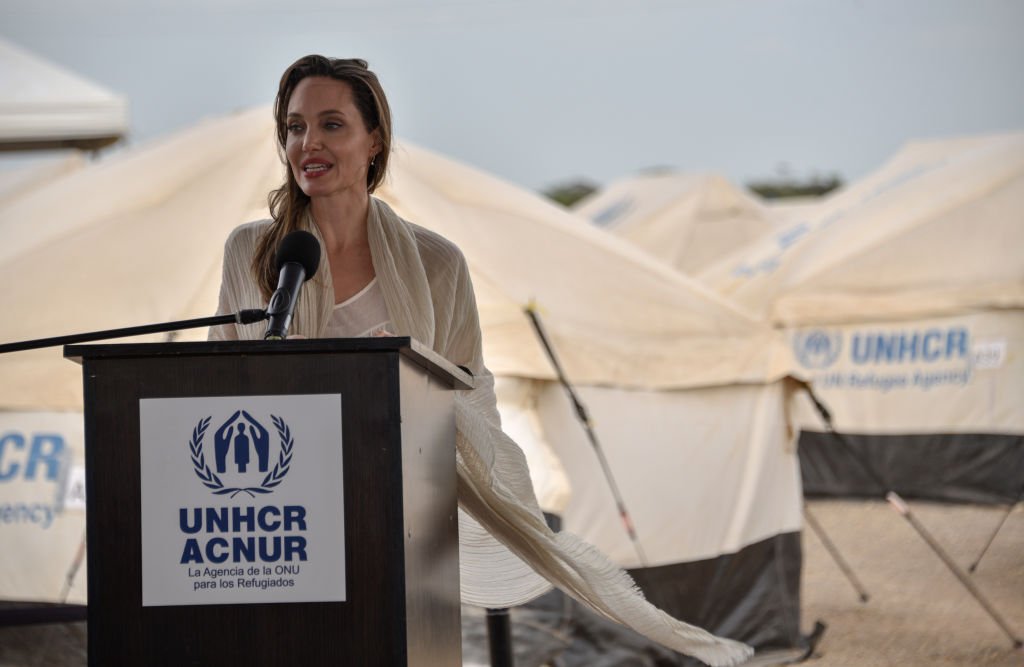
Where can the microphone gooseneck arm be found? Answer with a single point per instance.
(248, 316)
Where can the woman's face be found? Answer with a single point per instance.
(327, 146)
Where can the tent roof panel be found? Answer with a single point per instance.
(938, 216)
(44, 102)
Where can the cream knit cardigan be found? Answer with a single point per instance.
(429, 296)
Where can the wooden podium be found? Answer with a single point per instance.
(399, 515)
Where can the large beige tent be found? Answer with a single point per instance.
(17, 181)
(46, 106)
(74, 250)
(639, 338)
(137, 238)
(161, 212)
(929, 233)
(686, 220)
(903, 296)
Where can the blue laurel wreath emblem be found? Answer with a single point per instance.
(284, 459)
(212, 481)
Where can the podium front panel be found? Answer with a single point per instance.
(399, 516)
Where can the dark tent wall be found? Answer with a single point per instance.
(752, 595)
(983, 468)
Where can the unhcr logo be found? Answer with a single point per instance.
(236, 442)
(817, 348)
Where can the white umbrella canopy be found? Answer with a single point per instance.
(46, 106)
(137, 238)
(935, 231)
(685, 220)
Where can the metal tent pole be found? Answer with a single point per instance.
(903, 508)
(974, 565)
(830, 547)
(584, 417)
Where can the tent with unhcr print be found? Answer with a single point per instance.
(685, 391)
(44, 107)
(903, 299)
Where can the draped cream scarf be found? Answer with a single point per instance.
(494, 486)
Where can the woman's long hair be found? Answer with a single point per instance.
(288, 203)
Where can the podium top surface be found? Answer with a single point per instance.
(413, 350)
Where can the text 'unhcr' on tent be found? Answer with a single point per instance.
(903, 299)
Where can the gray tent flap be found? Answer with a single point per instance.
(980, 468)
(752, 595)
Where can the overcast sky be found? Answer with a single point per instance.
(547, 91)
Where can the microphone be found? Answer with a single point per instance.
(298, 258)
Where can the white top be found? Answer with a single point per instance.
(361, 315)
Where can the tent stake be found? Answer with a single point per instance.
(584, 417)
(76, 563)
(974, 565)
(903, 508)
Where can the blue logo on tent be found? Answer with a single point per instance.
(235, 443)
(610, 214)
(817, 348)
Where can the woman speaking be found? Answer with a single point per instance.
(381, 275)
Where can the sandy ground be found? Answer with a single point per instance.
(918, 613)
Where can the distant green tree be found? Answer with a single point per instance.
(570, 192)
(787, 186)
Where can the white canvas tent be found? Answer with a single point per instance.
(136, 238)
(686, 220)
(788, 209)
(930, 233)
(903, 296)
(18, 180)
(640, 338)
(47, 106)
(73, 251)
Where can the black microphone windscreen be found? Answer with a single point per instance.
(302, 248)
